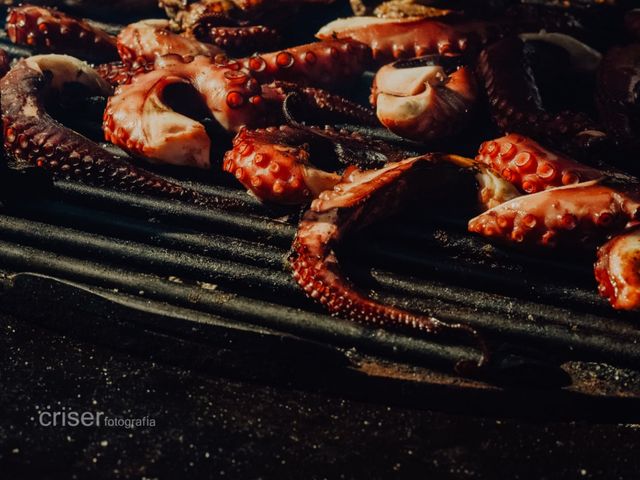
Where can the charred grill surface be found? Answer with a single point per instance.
(211, 270)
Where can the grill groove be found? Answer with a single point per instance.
(126, 243)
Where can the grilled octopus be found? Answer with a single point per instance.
(517, 105)
(426, 98)
(566, 204)
(359, 199)
(53, 31)
(239, 27)
(393, 39)
(618, 95)
(34, 139)
(240, 93)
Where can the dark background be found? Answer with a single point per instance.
(210, 427)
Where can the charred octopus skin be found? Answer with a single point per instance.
(362, 198)
(47, 29)
(617, 270)
(425, 98)
(138, 118)
(34, 138)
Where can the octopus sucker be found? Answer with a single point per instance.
(323, 103)
(575, 216)
(531, 167)
(617, 270)
(53, 31)
(332, 64)
(274, 164)
(148, 39)
(517, 105)
(423, 99)
(236, 40)
(122, 73)
(359, 199)
(35, 139)
(293, 165)
(139, 119)
(391, 39)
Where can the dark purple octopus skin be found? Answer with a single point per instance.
(52, 31)
(33, 138)
(618, 94)
(632, 23)
(360, 199)
(517, 106)
(236, 40)
(5, 63)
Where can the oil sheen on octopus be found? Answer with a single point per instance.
(33, 138)
(531, 167)
(290, 166)
(575, 216)
(139, 119)
(148, 39)
(425, 98)
(617, 270)
(331, 64)
(360, 199)
(47, 29)
(391, 39)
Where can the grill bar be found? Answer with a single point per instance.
(307, 324)
(132, 245)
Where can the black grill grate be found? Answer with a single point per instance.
(192, 269)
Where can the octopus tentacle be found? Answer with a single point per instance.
(517, 105)
(531, 167)
(187, 14)
(493, 189)
(48, 29)
(361, 198)
(281, 165)
(404, 9)
(238, 40)
(274, 164)
(122, 73)
(632, 23)
(618, 94)
(392, 39)
(424, 99)
(577, 215)
(321, 101)
(139, 119)
(617, 270)
(148, 39)
(328, 64)
(34, 138)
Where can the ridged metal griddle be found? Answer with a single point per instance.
(211, 289)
